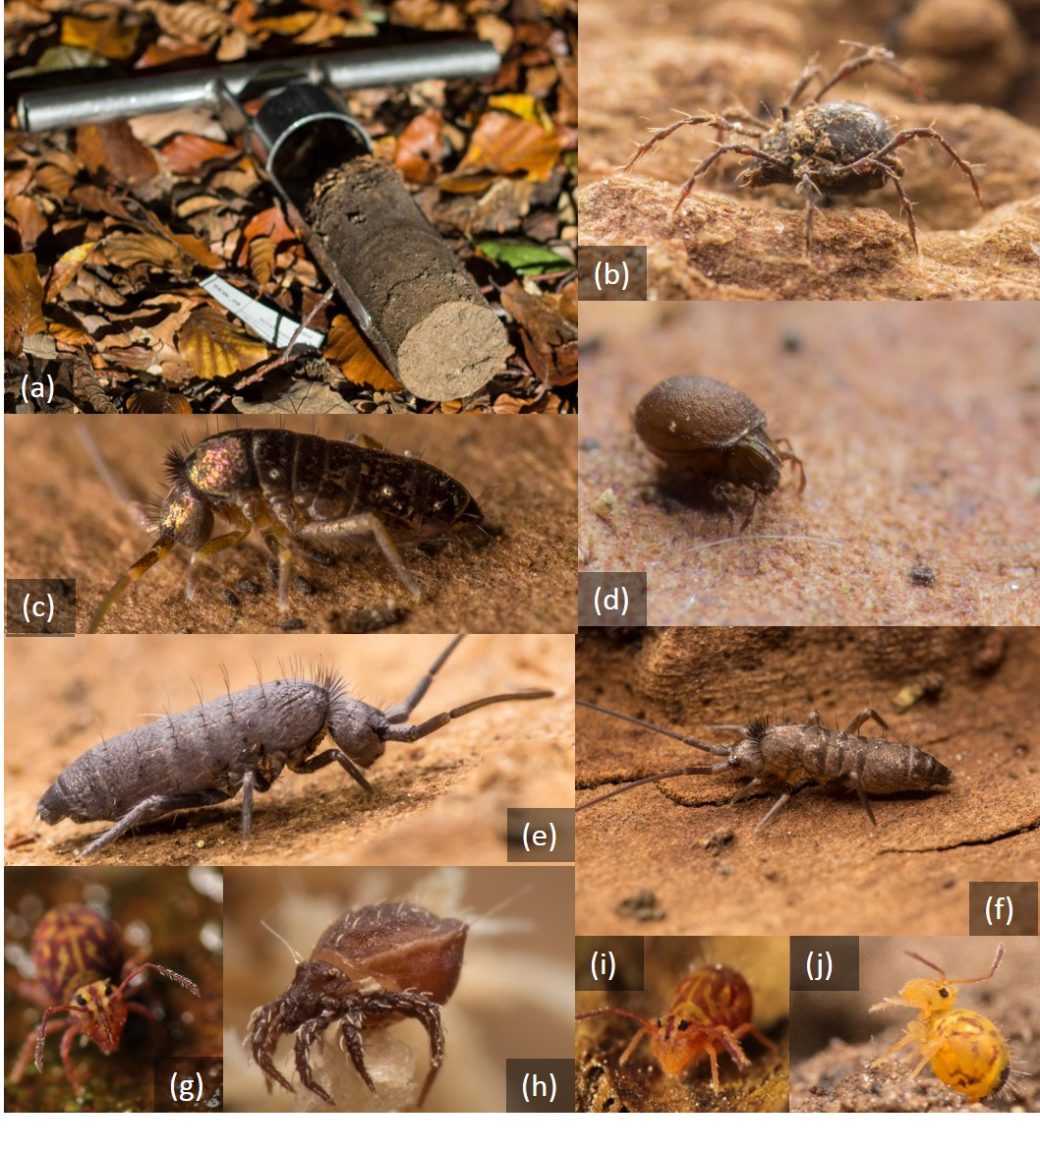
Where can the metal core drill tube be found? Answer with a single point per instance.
(364, 68)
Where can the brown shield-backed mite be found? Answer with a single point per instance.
(829, 149)
(371, 968)
(702, 428)
(82, 971)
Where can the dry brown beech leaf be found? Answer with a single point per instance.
(125, 251)
(271, 222)
(193, 20)
(421, 148)
(550, 340)
(112, 150)
(31, 223)
(157, 401)
(23, 300)
(186, 153)
(261, 259)
(214, 348)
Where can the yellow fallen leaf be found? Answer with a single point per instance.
(346, 347)
(524, 106)
(67, 265)
(106, 37)
(214, 348)
(506, 145)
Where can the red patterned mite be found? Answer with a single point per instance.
(81, 970)
(710, 1010)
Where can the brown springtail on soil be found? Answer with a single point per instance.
(297, 488)
(82, 971)
(790, 756)
(241, 741)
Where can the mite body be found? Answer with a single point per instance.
(966, 1050)
(709, 1011)
(302, 490)
(788, 757)
(371, 968)
(82, 971)
(241, 741)
(703, 428)
(835, 148)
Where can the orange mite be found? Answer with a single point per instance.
(710, 1011)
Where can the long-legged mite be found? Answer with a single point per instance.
(791, 756)
(709, 1011)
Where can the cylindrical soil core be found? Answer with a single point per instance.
(447, 341)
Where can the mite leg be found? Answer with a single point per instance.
(428, 1015)
(812, 194)
(756, 1033)
(743, 149)
(751, 511)
(716, 1085)
(865, 715)
(789, 455)
(930, 134)
(243, 527)
(804, 79)
(908, 208)
(262, 1034)
(630, 1049)
(720, 122)
(66, 1057)
(777, 806)
(32, 1042)
(306, 1036)
(361, 524)
(151, 807)
(320, 760)
(872, 54)
(353, 1043)
(136, 571)
(172, 975)
(905, 1040)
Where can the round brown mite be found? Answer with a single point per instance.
(704, 428)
